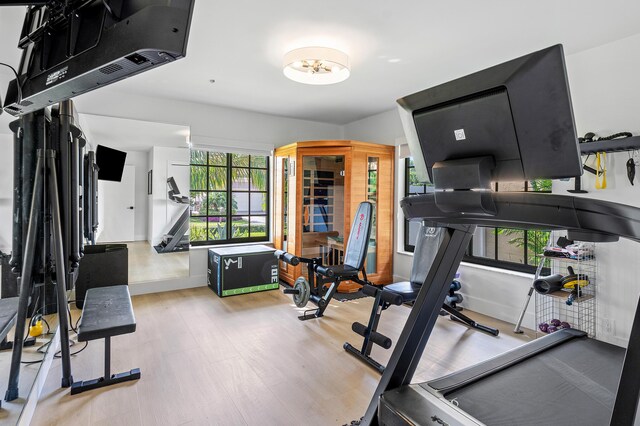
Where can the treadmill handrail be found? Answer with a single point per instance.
(531, 210)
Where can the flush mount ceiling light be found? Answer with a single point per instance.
(316, 65)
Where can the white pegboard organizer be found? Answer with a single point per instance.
(582, 313)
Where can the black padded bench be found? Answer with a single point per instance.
(427, 244)
(8, 313)
(8, 316)
(107, 312)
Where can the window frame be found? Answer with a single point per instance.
(468, 257)
(229, 215)
(407, 167)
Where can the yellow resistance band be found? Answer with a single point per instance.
(601, 170)
(572, 284)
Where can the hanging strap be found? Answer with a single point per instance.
(601, 168)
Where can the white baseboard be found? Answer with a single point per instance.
(507, 313)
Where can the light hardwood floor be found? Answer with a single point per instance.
(145, 264)
(247, 360)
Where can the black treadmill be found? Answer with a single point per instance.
(510, 122)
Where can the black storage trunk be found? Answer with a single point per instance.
(241, 270)
(102, 266)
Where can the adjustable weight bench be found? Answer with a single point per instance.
(427, 244)
(314, 289)
(107, 312)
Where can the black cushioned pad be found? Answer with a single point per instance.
(8, 312)
(358, 242)
(574, 383)
(344, 271)
(107, 312)
(405, 289)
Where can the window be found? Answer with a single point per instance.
(512, 249)
(412, 186)
(229, 198)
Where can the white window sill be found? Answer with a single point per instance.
(483, 267)
(498, 270)
(207, 247)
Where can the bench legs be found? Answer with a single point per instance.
(108, 379)
(370, 334)
(321, 301)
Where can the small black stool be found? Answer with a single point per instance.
(107, 312)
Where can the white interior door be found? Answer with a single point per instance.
(116, 208)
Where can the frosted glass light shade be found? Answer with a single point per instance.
(316, 65)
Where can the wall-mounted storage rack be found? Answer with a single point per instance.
(613, 145)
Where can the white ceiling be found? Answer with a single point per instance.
(396, 48)
(132, 135)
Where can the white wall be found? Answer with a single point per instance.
(164, 213)
(6, 191)
(384, 128)
(207, 121)
(606, 99)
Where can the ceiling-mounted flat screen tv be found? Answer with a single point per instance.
(85, 45)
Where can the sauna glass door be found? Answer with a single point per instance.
(372, 197)
(323, 185)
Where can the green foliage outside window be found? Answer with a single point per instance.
(531, 242)
(229, 197)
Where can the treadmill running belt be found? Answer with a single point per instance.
(571, 384)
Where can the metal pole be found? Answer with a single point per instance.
(61, 286)
(74, 207)
(94, 195)
(16, 242)
(25, 280)
(107, 357)
(63, 153)
(517, 328)
(81, 201)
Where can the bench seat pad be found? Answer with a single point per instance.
(107, 312)
(407, 290)
(344, 271)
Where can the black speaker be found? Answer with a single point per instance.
(103, 265)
